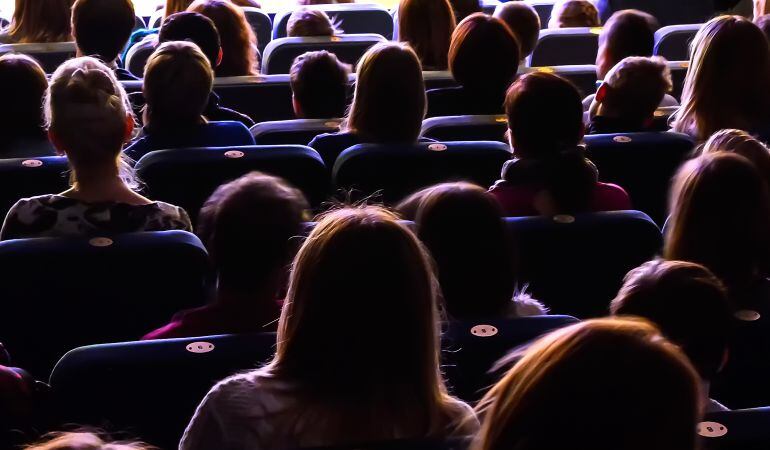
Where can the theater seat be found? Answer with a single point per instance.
(280, 53)
(263, 98)
(742, 429)
(293, 132)
(465, 128)
(27, 177)
(261, 24)
(576, 264)
(583, 76)
(678, 75)
(397, 170)
(565, 46)
(673, 42)
(488, 6)
(352, 19)
(60, 293)
(642, 163)
(49, 55)
(543, 9)
(137, 56)
(187, 177)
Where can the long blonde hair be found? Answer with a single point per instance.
(726, 84)
(41, 21)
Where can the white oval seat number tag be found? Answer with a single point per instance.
(484, 330)
(711, 429)
(437, 147)
(200, 347)
(233, 154)
(32, 163)
(100, 242)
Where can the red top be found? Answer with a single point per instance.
(213, 319)
(518, 201)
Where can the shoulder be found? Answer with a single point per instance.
(174, 217)
(462, 418)
(235, 132)
(611, 197)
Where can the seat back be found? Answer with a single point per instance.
(741, 429)
(565, 46)
(151, 387)
(280, 53)
(576, 264)
(137, 56)
(583, 76)
(435, 79)
(397, 170)
(352, 19)
(488, 6)
(543, 9)
(465, 128)
(49, 55)
(673, 42)
(471, 349)
(139, 23)
(642, 163)
(60, 293)
(261, 24)
(293, 132)
(187, 177)
(678, 75)
(27, 177)
(263, 98)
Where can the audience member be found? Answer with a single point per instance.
(689, 305)
(83, 441)
(666, 11)
(629, 95)
(39, 21)
(476, 272)
(742, 143)
(250, 228)
(176, 6)
(305, 22)
(388, 103)
(763, 22)
(22, 86)
(483, 58)
(101, 29)
(338, 378)
(427, 26)
(177, 87)
(239, 43)
(465, 8)
(319, 86)
(591, 385)
(89, 120)
(627, 33)
(574, 13)
(549, 173)
(725, 85)
(523, 20)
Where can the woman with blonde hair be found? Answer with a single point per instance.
(427, 26)
(387, 108)
(726, 84)
(89, 120)
(39, 21)
(741, 143)
(340, 377)
(239, 43)
(593, 385)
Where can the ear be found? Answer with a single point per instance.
(56, 143)
(219, 57)
(601, 93)
(129, 131)
(297, 107)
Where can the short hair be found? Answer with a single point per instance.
(628, 33)
(309, 22)
(524, 21)
(102, 28)
(319, 82)
(635, 87)
(22, 86)
(574, 13)
(195, 28)
(687, 303)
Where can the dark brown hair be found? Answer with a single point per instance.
(523, 20)
(102, 27)
(22, 85)
(239, 43)
(319, 82)
(427, 26)
(627, 33)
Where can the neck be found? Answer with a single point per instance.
(98, 184)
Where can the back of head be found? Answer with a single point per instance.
(389, 100)
(689, 305)
(305, 22)
(574, 13)
(427, 26)
(720, 214)
(177, 85)
(484, 54)
(249, 227)
(41, 21)
(627, 33)
(741, 143)
(461, 225)
(102, 27)
(319, 82)
(239, 43)
(591, 385)
(82, 441)
(22, 86)
(763, 22)
(193, 27)
(725, 86)
(175, 6)
(633, 89)
(524, 21)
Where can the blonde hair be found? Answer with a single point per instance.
(574, 13)
(726, 84)
(86, 109)
(741, 143)
(41, 21)
(309, 22)
(591, 385)
(177, 84)
(175, 6)
(83, 441)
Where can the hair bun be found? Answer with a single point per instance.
(90, 84)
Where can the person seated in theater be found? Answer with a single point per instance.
(240, 53)
(250, 228)
(305, 22)
(574, 13)
(741, 143)
(39, 21)
(319, 86)
(175, 6)
(101, 29)
(177, 87)
(476, 273)
(90, 120)
(629, 95)
(549, 173)
(427, 26)
(22, 126)
(524, 21)
(388, 103)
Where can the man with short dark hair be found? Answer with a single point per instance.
(319, 83)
